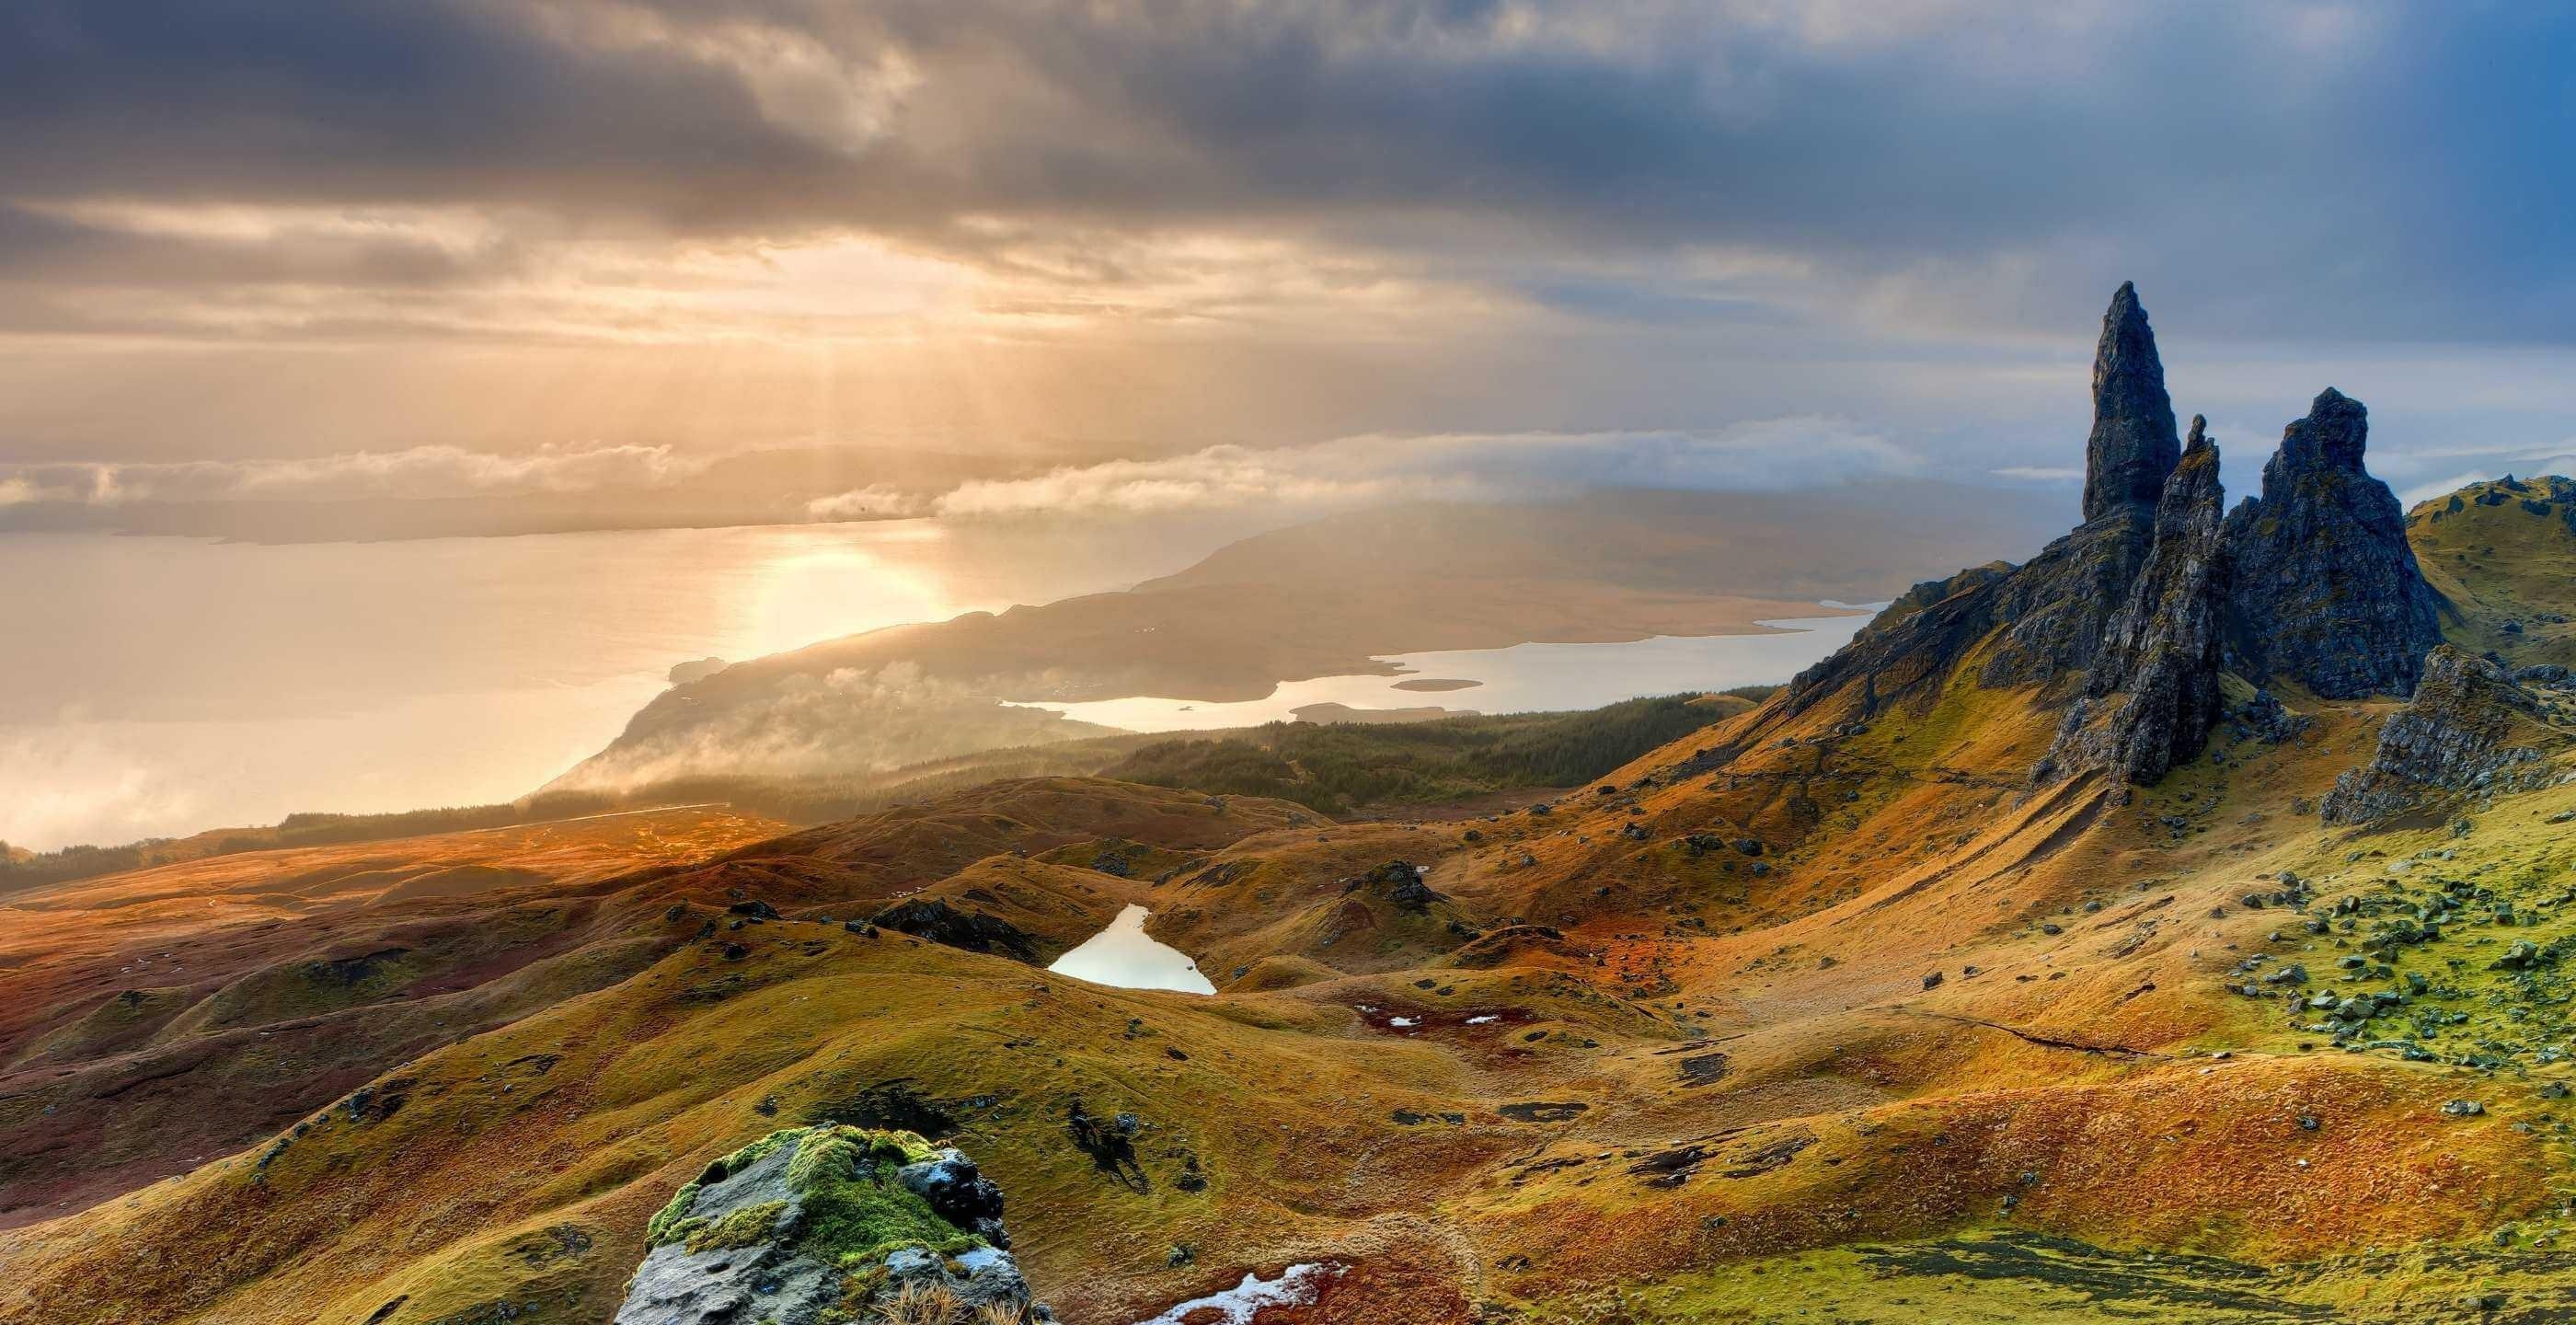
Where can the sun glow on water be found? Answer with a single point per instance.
(828, 590)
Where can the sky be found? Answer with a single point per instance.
(1143, 255)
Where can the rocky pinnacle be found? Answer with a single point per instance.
(2328, 591)
(2133, 447)
(2153, 692)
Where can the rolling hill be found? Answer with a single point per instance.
(2168, 927)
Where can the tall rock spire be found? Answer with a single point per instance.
(2153, 689)
(2328, 590)
(2132, 448)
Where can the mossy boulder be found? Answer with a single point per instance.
(823, 1225)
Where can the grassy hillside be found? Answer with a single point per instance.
(1822, 1012)
(1339, 767)
(2504, 555)
(1473, 753)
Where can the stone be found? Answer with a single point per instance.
(2132, 447)
(2152, 693)
(959, 1193)
(1399, 882)
(744, 1242)
(933, 919)
(2468, 727)
(2267, 719)
(2327, 590)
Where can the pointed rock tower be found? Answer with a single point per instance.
(2061, 604)
(2054, 612)
(2130, 620)
(2153, 691)
(2327, 591)
(2132, 448)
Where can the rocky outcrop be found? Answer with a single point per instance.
(1928, 592)
(2328, 593)
(2131, 619)
(2055, 608)
(2132, 448)
(1399, 882)
(2469, 728)
(818, 1224)
(2153, 693)
(933, 919)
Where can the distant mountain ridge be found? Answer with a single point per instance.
(1320, 599)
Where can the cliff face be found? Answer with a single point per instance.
(2458, 734)
(2160, 654)
(2054, 609)
(2328, 593)
(2131, 618)
(2132, 447)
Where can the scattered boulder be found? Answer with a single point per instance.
(1399, 882)
(2265, 718)
(933, 919)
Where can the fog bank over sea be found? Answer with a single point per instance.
(161, 686)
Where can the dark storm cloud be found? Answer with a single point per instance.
(2379, 171)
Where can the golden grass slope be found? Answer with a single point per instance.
(1670, 1047)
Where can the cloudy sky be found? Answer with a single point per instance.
(1173, 252)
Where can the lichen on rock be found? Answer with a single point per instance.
(823, 1226)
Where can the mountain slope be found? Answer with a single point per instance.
(1322, 599)
(1911, 993)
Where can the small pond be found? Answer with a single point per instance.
(1126, 956)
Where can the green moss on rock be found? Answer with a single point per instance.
(741, 1228)
(852, 1209)
(664, 1226)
